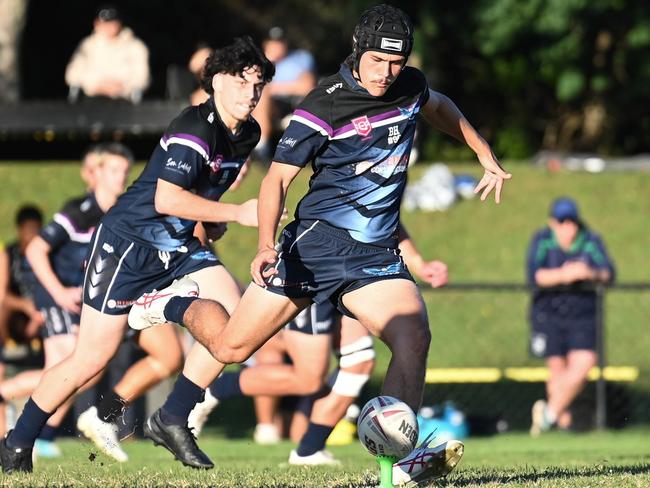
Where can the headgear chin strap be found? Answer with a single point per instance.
(385, 29)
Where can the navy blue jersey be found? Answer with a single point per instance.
(21, 276)
(545, 252)
(68, 234)
(198, 153)
(359, 146)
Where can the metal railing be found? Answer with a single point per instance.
(600, 291)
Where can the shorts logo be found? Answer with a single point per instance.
(108, 248)
(391, 269)
(538, 344)
(203, 256)
(119, 303)
(362, 125)
(391, 44)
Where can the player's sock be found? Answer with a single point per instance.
(48, 433)
(111, 407)
(226, 386)
(181, 401)
(314, 439)
(176, 307)
(28, 426)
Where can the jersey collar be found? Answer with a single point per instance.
(348, 77)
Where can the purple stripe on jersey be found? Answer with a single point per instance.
(312, 118)
(374, 118)
(190, 137)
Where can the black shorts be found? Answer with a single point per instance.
(58, 321)
(321, 262)
(317, 319)
(119, 271)
(557, 338)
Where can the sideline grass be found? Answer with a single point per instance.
(557, 460)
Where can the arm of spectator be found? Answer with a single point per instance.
(77, 72)
(433, 272)
(298, 87)
(37, 253)
(139, 77)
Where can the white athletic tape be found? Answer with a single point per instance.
(364, 342)
(349, 384)
(356, 358)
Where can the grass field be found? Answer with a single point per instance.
(557, 460)
(480, 242)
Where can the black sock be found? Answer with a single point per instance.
(48, 433)
(176, 307)
(226, 386)
(111, 407)
(28, 426)
(314, 439)
(181, 401)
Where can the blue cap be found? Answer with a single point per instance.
(565, 209)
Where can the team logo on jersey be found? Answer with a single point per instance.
(362, 125)
(216, 164)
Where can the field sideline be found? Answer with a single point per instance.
(558, 460)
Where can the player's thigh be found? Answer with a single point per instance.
(309, 353)
(99, 338)
(556, 364)
(272, 352)
(259, 315)
(580, 361)
(216, 283)
(57, 348)
(388, 308)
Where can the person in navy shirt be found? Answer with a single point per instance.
(355, 130)
(563, 256)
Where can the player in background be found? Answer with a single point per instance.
(57, 257)
(146, 241)
(356, 129)
(17, 282)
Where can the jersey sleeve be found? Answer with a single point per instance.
(186, 155)
(534, 259)
(305, 136)
(600, 257)
(59, 230)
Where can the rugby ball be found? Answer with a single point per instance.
(387, 427)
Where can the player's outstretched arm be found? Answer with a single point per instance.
(273, 192)
(444, 115)
(171, 199)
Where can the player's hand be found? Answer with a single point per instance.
(493, 177)
(577, 271)
(247, 213)
(261, 267)
(435, 273)
(215, 230)
(69, 299)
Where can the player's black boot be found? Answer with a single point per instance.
(15, 459)
(178, 440)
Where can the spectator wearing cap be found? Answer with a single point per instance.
(110, 63)
(295, 76)
(562, 258)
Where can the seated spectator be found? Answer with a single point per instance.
(111, 63)
(562, 257)
(294, 77)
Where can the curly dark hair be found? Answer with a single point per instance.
(243, 53)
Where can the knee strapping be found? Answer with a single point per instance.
(357, 352)
(348, 384)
